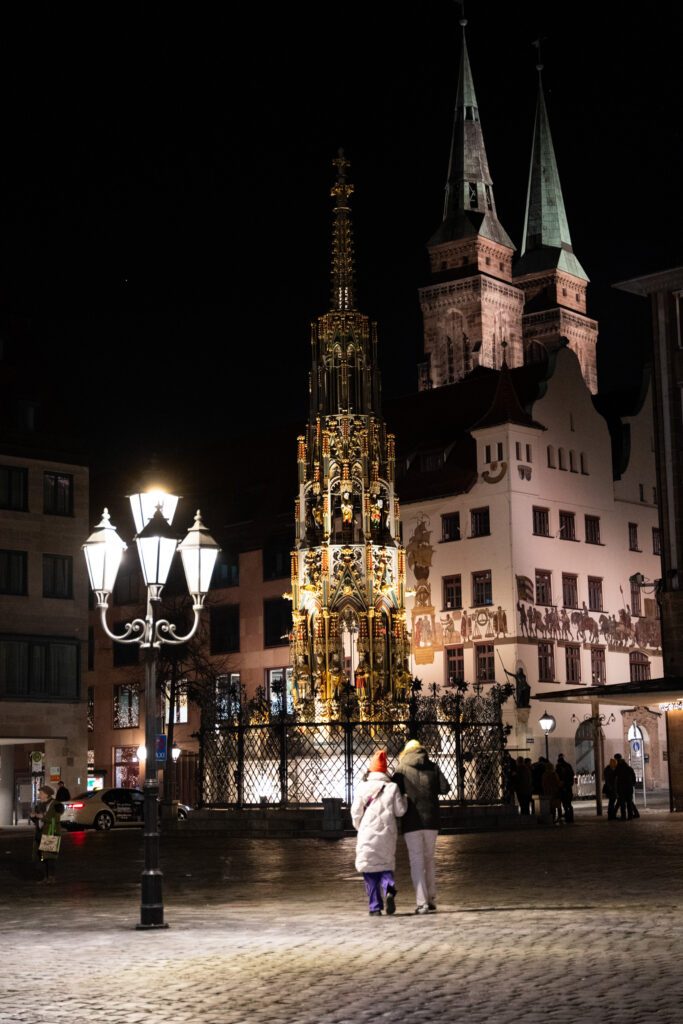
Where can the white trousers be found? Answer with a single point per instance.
(421, 849)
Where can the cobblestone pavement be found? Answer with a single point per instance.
(579, 923)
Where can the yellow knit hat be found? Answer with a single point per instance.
(411, 745)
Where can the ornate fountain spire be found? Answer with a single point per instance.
(343, 292)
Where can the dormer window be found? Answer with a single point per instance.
(489, 204)
(472, 190)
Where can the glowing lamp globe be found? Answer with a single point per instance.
(103, 552)
(144, 505)
(199, 552)
(156, 543)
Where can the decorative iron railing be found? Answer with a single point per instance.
(293, 763)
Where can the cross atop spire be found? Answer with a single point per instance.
(469, 206)
(343, 292)
(546, 241)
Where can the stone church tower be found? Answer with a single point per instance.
(348, 567)
(553, 280)
(471, 304)
(477, 297)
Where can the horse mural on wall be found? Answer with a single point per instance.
(583, 625)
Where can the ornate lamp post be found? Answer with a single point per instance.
(157, 543)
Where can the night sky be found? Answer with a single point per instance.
(165, 174)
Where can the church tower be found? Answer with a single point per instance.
(553, 280)
(471, 304)
(348, 566)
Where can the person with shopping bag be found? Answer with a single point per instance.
(377, 804)
(48, 834)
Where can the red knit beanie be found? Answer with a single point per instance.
(378, 761)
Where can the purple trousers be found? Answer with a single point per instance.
(376, 885)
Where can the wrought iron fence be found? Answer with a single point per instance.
(293, 763)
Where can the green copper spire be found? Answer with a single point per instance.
(546, 243)
(469, 207)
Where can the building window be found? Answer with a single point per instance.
(276, 558)
(228, 695)
(450, 526)
(598, 668)
(546, 662)
(455, 664)
(544, 594)
(58, 494)
(561, 458)
(58, 576)
(639, 667)
(635, 599)
(572, 654)
(126, 767)
(481, 526)
(452, 592)
(224, 629)
(570, 590)
(481, 588)
(14, 573)
(180, 703)
(127, 587)
(572, 460)
(14, 488)
(595, 593)
(551, 457)
(279, 689)
(567, 526)
(518, 450)
(584, 463)
(541, 522)
(485, 664)
(39, 668)
(528, 453)
(227, 570)
(656, 540)
(124, 655)
(472, 192)
(277, 621)
(592, 529)
(633, 537)
(91, 709)
(126, 706)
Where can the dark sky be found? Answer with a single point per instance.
(165, 170)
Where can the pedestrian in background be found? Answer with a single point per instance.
(422, 781)
(565, 774)
(625, 780)
(47, 822)
(376, 806)
(609, 788)
(550, 785)
(523, 785)
(62, 794)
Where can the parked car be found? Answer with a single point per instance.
(104, 808)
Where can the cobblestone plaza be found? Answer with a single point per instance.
(577, 923)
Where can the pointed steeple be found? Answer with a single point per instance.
(469, 207)
(343, 292)
(546, 243)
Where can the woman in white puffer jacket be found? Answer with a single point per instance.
(376, 806)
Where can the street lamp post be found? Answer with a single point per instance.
(157, 543)
(547, 723)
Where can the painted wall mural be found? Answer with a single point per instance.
(433, 629)
(583, 625)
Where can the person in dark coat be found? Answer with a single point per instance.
(551, 789)
(523, 785)
(47, 821)
(537, 770)
(625, 780)
(422, 781)
(62, 794)
(565, 774)
(609, 788)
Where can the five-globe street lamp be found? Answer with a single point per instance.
(157, 543)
